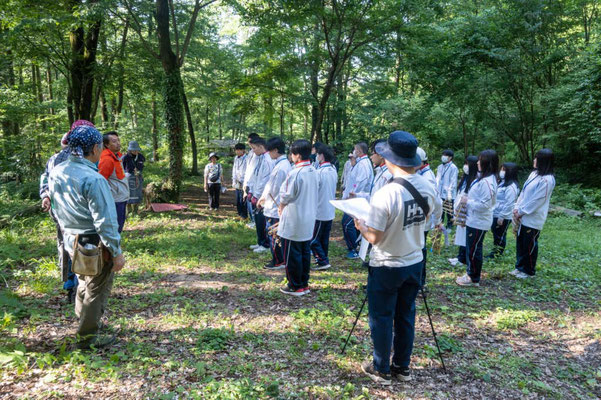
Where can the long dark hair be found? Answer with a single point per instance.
(489, 162)
(511, 174)
(544, 162)
(472, 165)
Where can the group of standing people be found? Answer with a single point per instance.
(287, 198)
(87, 187)
(488, 198)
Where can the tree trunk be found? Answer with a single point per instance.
(83, 63)
(194, 171)
(155, 133)
(121, 74)
(172, 97)
(50, 88)
(207, 127)
(219, 120)
(104, 112)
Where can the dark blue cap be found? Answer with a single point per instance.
(400, 149)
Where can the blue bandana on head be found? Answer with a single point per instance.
(83, 137)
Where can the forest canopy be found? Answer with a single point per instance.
(513, 75)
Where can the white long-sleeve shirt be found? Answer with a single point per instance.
(345, 172)
(251, 162)
(381, 177)
(328, 177)
(533, 202)
(446, 180)
(360, 177)
(281, 168)
(481, 200)
(238, 171)
(436, 215)
(506, 197)
(299, 194)
(260, 174)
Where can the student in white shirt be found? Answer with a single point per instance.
(251, 162)
(395, 227)
(360, 180)
(256, 185)
(270, 199)
(507, 194)
(435, 218)
(298, 210)
(328, 177)
(313, 158)
(238, 172)
(480, 202)
(531, 211)
(348, 165)
(470, 173)
(381, 173)
(213, 174)
(446, 183)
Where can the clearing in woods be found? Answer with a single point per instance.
(198, 316)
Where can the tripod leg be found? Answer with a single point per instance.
(354, 325)
(433, 332)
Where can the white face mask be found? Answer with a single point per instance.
(444, 159)
(502, 174)
(466, 169)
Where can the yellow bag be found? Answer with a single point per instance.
(86, 261)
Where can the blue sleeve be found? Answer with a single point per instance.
(104, 213)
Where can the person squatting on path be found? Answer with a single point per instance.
(480, 202)
(360, 179)
(64, 260)
(328, 177)
(111, 168)
(213, 175)
(270, 198)
(507, 194)
(530, 213)
(298, 209)
(395, 227)
(133, 164)
(82, 202)
(238, 171)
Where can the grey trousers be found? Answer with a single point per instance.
(91, 299)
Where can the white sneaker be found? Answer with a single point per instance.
(250, 225)
(318, 267)
(453, 261)
(253, 246)
(465, 280)
(514, 272)
(523, 275)
(261, 249)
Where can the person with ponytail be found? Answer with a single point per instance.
(530, 212)
(480, 202)
(470, 173)
(507, 194)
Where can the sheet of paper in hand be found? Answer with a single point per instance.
(357, 207)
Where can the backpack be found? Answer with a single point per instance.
(214, 175)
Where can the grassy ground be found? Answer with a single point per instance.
(199, 318)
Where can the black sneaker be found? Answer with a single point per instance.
(272, 267)
(319, 267)
(368, 369)
(400, 373)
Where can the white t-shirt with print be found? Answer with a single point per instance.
(395, 212)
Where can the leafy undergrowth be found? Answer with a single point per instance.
(198, 317)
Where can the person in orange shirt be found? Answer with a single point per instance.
(111, 168)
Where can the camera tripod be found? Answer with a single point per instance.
(421, 289)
